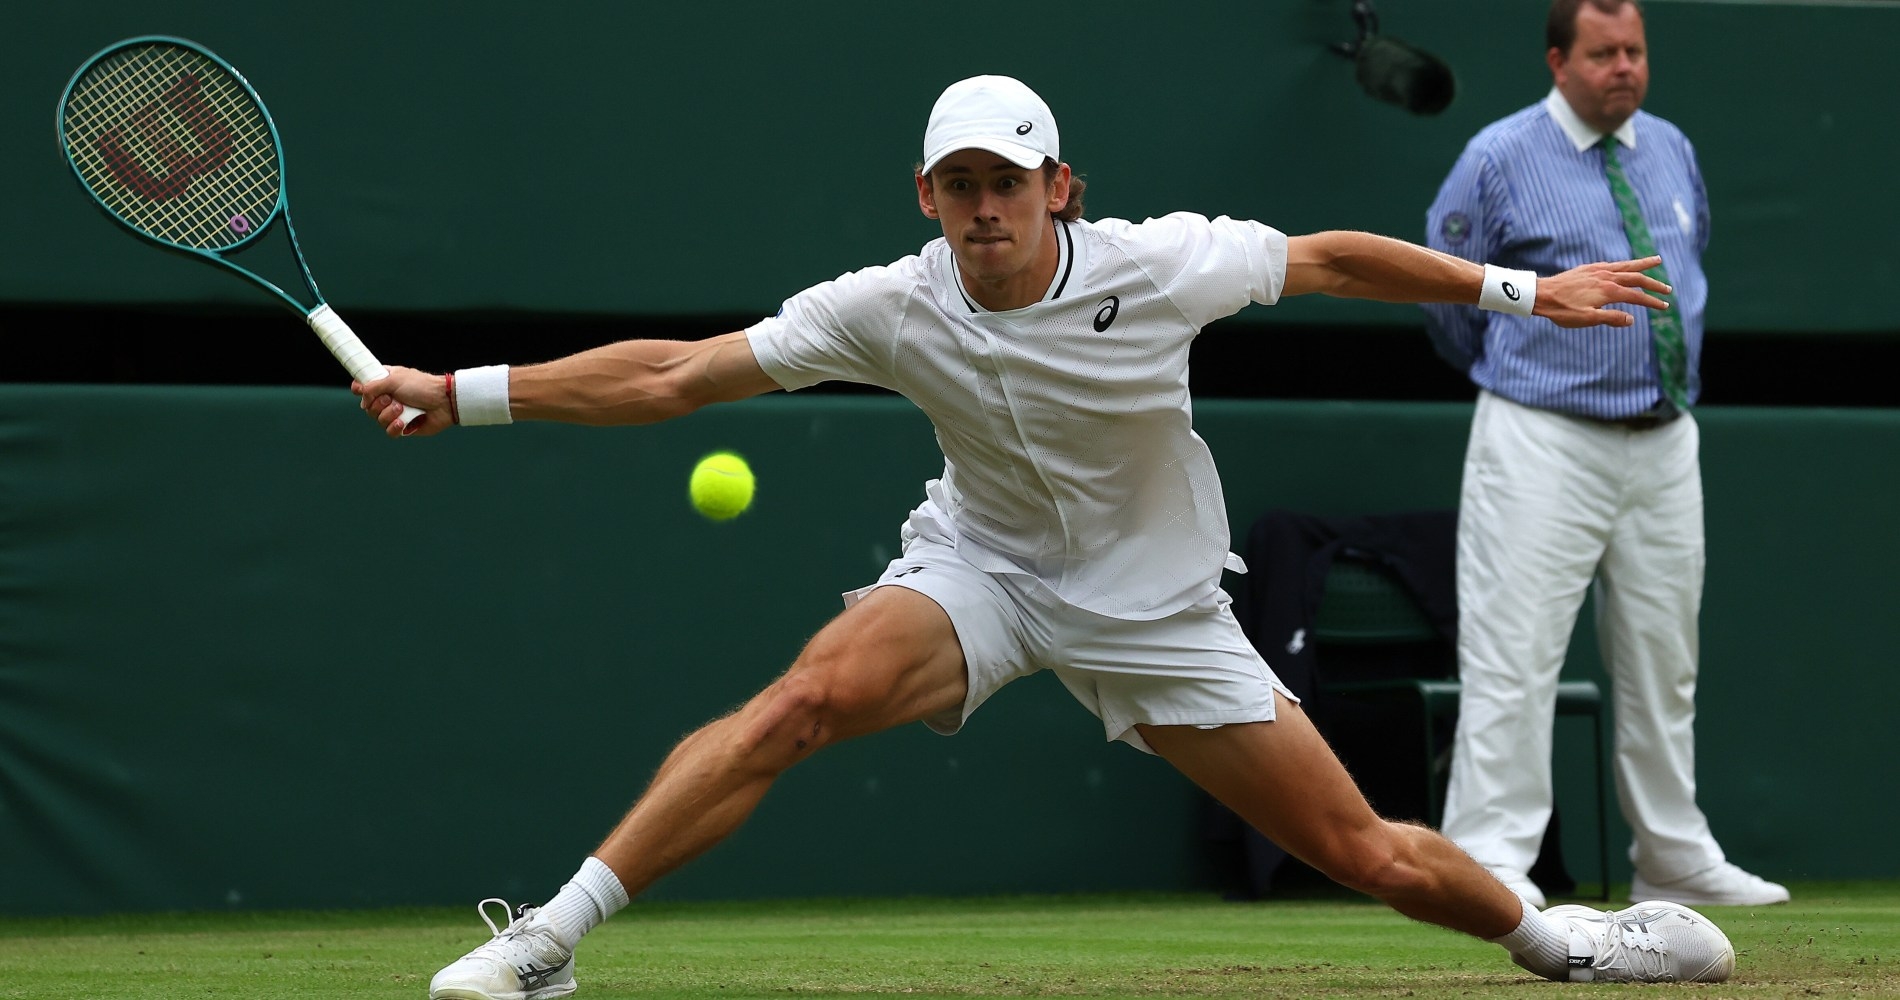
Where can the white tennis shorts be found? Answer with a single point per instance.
(1193, 668)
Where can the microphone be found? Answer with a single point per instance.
(1395, 72)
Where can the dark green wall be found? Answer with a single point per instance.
(713, 158)
(251, 653)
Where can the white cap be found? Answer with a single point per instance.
(996, 113)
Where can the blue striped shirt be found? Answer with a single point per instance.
(1524, 196)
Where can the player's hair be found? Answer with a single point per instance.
(1071, 210)
(1560, 29)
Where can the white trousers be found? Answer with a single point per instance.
(1551, 503)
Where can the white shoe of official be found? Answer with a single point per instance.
(1651, 942)
(1521, 884)
(522, 961)
(1723, 885)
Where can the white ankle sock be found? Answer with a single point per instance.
(1540, 943)
(591, 896)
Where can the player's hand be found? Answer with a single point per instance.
(1578, 297)
(383, 400)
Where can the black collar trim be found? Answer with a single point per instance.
(1068, 267)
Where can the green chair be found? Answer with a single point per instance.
(1362, 604)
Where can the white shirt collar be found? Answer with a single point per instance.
(1579, 131)
(1065, 266)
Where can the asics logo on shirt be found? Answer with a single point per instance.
(1106, 314)
(1024, 128)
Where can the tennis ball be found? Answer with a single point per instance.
(721, 486)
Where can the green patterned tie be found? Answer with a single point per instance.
(1665, 327)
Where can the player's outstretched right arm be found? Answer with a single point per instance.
(632, 382)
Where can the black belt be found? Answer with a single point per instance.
(1648, 420)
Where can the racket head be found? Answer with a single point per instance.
(172, 143)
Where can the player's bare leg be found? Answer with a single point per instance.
(1282, 778)
(891, 658)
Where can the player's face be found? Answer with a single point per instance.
(1606, 72)
(994, 213)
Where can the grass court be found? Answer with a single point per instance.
(1834, 940)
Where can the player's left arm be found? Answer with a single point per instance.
(1357, 265)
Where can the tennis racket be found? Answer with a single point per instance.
(176, 147)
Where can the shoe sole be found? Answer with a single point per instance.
(456, 993)
(1645, 891)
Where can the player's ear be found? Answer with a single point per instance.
(926, 196)
(1059, 189)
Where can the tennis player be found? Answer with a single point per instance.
(1078, 527)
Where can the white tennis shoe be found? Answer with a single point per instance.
(1652, 942)
(1723, 885)
(522, 961)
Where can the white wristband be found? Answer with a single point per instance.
(1508, 291)
(481, 395)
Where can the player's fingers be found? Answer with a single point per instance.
(1651, 301)
(388, 412)
(1634, 296)
(1640, 264)
(371, 391)
(1637, 279)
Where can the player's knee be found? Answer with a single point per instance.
(801, 712)
(787, 721)
(839, 686)
(845, 680)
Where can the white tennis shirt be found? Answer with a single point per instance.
(1069, 450)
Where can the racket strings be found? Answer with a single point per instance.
(175, 145)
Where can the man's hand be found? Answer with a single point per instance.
(1577, 297)
(383, 400)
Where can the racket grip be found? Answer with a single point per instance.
(348, 348)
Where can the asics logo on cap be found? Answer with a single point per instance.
(1024, 128)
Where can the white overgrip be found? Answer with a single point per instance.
(348, 348)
